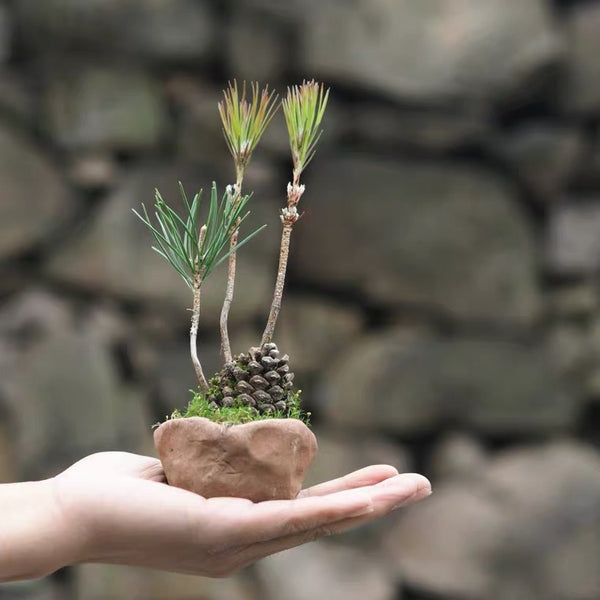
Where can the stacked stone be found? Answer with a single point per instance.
(260, 379)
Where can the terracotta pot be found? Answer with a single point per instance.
(261, 460)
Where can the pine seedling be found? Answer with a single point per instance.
(195, 250)
(244, 121)
(303, 107)
(257, 384)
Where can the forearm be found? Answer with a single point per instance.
(34, 537)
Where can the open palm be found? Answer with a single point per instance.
(120, 510)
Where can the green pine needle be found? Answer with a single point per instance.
(191, 249)
(244, 121)
(303, 108)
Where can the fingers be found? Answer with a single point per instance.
(110, 464)
(277, 518)
(283, 518)
(386, 496)
(361, 478)
(381, 508)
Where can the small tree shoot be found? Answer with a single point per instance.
(258, 384)
(195, 250)
(303, 107)
(244, 122)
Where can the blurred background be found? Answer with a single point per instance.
(443, 304)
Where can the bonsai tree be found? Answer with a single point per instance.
(257, 384)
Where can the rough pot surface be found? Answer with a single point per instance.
(261, 460)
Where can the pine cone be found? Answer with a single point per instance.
(260, 379)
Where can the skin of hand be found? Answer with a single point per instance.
(114, 507)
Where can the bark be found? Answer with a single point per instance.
(279, 284)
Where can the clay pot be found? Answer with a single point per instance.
(261, 460)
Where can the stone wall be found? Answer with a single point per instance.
(443, 307)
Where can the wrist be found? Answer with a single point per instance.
(35, 534)
(67, 524)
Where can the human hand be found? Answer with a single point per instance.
(117, 509)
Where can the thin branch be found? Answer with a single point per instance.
(288, 217)
(231, 269)
(197, 287)
(303, 108)
(244, 122)
(279, 283)
(194, 333)
(195, 255)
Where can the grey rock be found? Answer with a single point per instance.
(416, 128)
(529, 528)
(17, 100)
(575, 300)
(93, 171)
(38, 589)
(163, 30)
(582, 88)
(5, 33)
(544, 157)
(458, 456)
(103, 108)
(572, 350)
(247, 29)
(35, 201)
(430, 50)
(326, 570)
(588, 169)
(447, 545)
(8, 472)
(576, 348)
(199, 135)
(407, 382)
(341, 453)
(447, 237)
(590, 351)
(573, 237)
(113, 254)
(279, 13)
(314, 331)
(553, 470)
(33, 314)
(99, 582)
(65, 400)
(166, 368)
(553, 495)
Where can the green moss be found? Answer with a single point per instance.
(199, 406)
